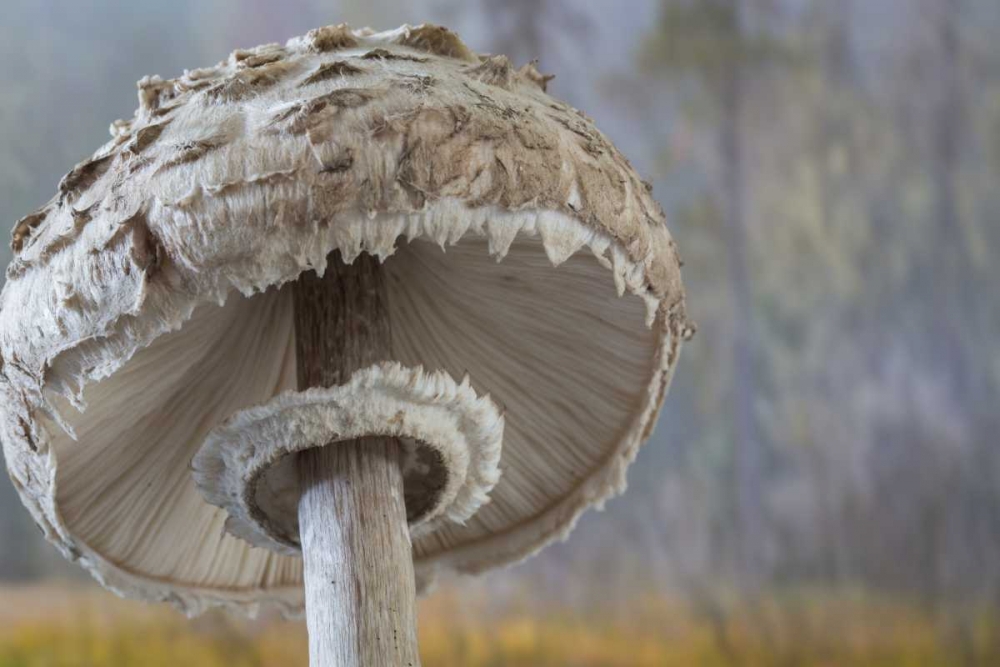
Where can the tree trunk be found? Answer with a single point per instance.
(360, 590)
(947, 261)
(748, 450)
(837, 72)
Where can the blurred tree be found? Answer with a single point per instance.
(851, 202)
(521, 28)
(713, 43)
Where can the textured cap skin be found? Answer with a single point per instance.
(235, 178)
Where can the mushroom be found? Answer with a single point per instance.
(322, 300)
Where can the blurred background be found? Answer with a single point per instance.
(823, 487)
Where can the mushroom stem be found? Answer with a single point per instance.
(359, 582)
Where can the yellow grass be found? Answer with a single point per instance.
(53, 627)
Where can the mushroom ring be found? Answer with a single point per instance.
(452, 439)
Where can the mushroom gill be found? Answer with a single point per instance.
(575, 354)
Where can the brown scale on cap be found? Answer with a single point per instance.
(154, 92)
(252, 59)
(144, 137)
(242, 86)
(332, 70)
(83, 176)
(437, 40)
(495, 70)
(530, 73)
(303, 116)
(385, 54)
(191, 151)
(332, 38)
(23, 228)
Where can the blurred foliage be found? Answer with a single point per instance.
(837, 222)
(803, 628)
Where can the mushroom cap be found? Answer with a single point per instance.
(144, 306)
(451, 439)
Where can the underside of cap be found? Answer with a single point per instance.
(520, 247)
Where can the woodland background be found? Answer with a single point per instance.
(824, 483)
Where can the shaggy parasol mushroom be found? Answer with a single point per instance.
(217, 304)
